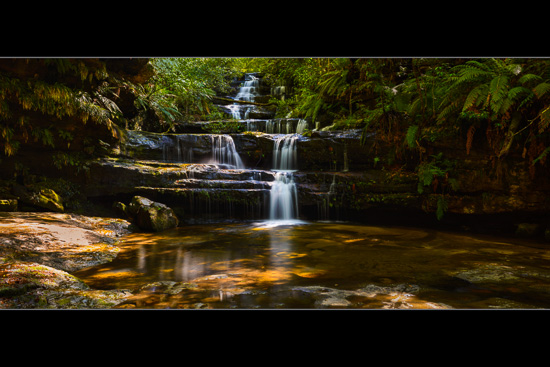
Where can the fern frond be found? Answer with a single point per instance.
(541, 156)
(544, 119)
(541, 89)
(335, 82)
(498, 91)
(527, 78)
(516, 92)
(474, 96)
(448, 111)
(471, 71)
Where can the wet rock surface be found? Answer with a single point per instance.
(152, 216)
(38, 250)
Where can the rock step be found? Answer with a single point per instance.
(222, 184)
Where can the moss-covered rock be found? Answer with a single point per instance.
(25, 285)
(48, 199)
(38, 250)
(152, 216)
(8, 205)
(43, 198)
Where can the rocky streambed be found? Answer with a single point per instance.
(39, 250)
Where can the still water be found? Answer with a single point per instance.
(286, 265)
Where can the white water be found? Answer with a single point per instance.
(250, 89)
(284, 153)
(302, 126)
(283, 204)
(247, 92)
(239, 112)
(278, 126)
(224, 152)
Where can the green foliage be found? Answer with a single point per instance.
(225, 126)
(159, 102)
(435, 173)
(188, 84)
(410, 137)
(32, 107)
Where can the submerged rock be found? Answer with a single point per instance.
(401, 296)
(152, 216)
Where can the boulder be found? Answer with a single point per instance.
(43, 198)
(8, 205)
(150, 215)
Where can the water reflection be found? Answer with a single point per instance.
(324, 265)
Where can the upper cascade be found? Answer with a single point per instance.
(250, 88)
(254, 91)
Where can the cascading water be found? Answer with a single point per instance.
(221, 185)
(247, 92)
(286, 126)
(284, 153)
(224, 152)
(284, 195)
(283, 201)
(250, 88)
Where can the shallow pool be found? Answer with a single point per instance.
(288, 265)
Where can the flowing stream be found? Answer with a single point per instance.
(272, 258)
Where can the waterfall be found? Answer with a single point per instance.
(250, 88)
(285, 157)
(302, 126)
(283, 201)
(284, 195)
(224, 152)
(286, 126)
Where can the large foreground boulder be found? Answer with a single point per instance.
(152, 216)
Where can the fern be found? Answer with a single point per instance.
(474, 96)
(528, 78)
(498, 92)
(541, 89)
(541, 156)
(334, 84)
(544, 119)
